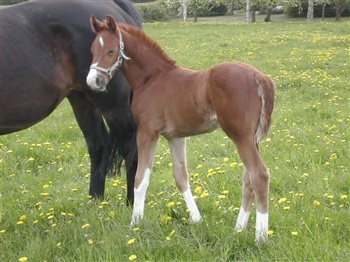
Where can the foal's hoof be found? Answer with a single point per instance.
(194, 219)
(261, 238)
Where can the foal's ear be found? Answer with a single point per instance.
(111, 23)
(95, 24)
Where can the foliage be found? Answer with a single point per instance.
(11, 2)
(199, 7)
(47, 216)
(297, 8)
(152, 12)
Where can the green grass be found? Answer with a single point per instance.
(47, 216)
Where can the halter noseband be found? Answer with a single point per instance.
(118, 63)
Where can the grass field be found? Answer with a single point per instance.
(46, 214)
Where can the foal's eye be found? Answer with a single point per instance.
(110, 53)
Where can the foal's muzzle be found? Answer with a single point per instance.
(100, 81)
(96, 81)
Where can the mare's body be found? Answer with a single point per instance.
(176, 102)
(45, 56)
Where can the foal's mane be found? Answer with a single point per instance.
(145, 39)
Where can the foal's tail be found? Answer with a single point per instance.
(266, 91)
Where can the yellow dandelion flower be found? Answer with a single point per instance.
(168, 238)
(282, 200)
(222, 196)
(199, 167)
(294, 233)
(343, 197)
(59, 244)
(239, 230)
(132, 257)
(172, 232)
(171, 204)
(22, 218)
(286, 208)
(90, 241)
(270, 233)
(2, 231)
(112, 214)
(226, 159)
(131, 241)
(225, 192)
(85, 226)
(234, 164)
(104, 203)
(205, 194)
(20, 223)
(316, 203)
(170, 164)
(198, 190)
(23, 259)
(136, 229)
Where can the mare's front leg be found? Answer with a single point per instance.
(178, 153)
(91, 124)
(146, 146)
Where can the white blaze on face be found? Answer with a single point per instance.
(101, 41)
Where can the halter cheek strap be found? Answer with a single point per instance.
(118, 63)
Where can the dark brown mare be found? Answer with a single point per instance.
(45, 57)
(177, 102)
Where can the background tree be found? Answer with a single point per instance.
(340, 6)
(310, 10)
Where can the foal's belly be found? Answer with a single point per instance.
(196, 126)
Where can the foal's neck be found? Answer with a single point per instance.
(148, 60)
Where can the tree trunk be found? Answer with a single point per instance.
(231, 6)
(247, 16)
(252, 14)
(338, 11)
(337, 14)
(184, 14)
(268, 15)
(310, 10)
(323, 8)
(195, 15)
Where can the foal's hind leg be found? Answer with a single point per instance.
(255, 181)
(247, 200)
(178, 153)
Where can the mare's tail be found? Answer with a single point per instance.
(266, 91)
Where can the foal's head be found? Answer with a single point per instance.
(107, 53)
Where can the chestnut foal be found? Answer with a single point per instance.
(176, 102)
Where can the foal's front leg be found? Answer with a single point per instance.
(178, 153)
(146, 146)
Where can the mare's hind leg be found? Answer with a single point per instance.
(146, 146)
(178, 154)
